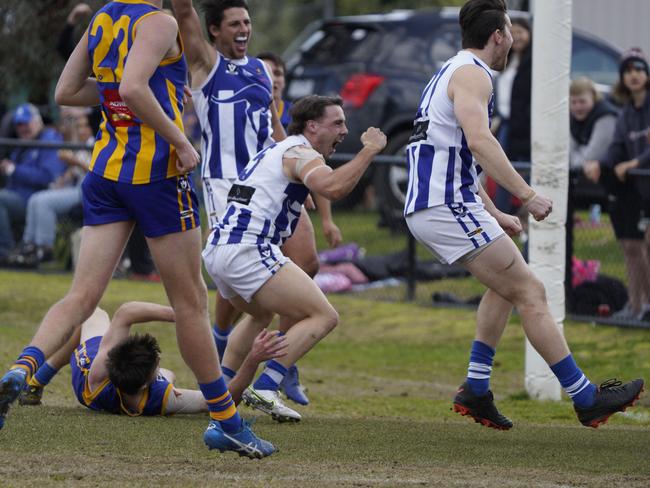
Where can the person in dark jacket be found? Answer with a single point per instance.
(630, 149)
(513, 99)
(27, 170)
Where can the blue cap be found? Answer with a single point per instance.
(24, 113)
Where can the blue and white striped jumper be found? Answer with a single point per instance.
(263, 204)
(442, 170)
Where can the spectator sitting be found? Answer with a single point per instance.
(46, 206)
(27, 171)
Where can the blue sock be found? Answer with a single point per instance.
(574, 382)
(271, 377)
(44, 374)
(480, 367)
(221, 339)
(228, 374)
(220, 404)
(30, 360)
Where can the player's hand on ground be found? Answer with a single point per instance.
(509, 223)
(332, 233)
(539, 207)
(373, 139)
(187, 158)
(269, 345)
(591, 169)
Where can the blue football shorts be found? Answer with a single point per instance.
(159, 208)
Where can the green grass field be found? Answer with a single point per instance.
(381, 386)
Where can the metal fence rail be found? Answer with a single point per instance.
(576, 237)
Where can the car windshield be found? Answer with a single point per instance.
(341, 42)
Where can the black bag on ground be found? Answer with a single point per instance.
(605, 290)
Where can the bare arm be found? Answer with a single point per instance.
(128, 314)
(330, 230)
(470, 90)
(200, 55)
(74, 86)
(278, 131)
(335, 184)
(155, 38)
(267, 345)
(509, 223)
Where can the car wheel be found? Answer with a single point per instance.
(391, 183)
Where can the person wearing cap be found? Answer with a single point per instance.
(26, 171)
(630, 149)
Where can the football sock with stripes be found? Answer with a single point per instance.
(271, 377)
(574, 382)
(221, 339)
(480, 368)
(30, 360)
(220, 404)
(44, 375)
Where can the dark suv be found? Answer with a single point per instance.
(379, 64)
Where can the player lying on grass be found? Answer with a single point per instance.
(120, 373)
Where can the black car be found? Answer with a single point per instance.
(379, 64)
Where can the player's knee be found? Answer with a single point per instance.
(330, 319)
(83, 300)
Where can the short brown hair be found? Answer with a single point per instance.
(584, 85)
(311, 107)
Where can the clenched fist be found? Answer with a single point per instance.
(373, 139)
(539, 207)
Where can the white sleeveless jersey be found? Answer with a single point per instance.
(441, 167)
(233, 107)
(263, 204)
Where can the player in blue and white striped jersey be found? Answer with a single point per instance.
(243, 255)
(232, 94)
(449, 212)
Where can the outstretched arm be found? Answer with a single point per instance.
(200, 55)
(267, 345)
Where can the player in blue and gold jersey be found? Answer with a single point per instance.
(116, 372)
(130, 61)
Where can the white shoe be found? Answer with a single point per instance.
(269, 402)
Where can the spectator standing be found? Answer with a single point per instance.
(27, 171)
(513, 98)
(629, 149)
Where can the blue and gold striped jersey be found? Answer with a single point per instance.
(128, 150)
(108, 398)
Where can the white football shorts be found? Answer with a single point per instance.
(242, 269)
(454, 230)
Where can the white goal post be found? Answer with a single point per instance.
(550, 170)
